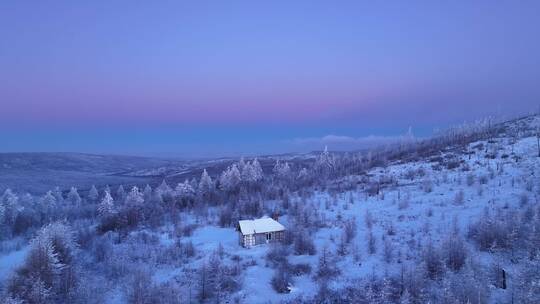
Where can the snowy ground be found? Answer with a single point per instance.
(425, 204)
(426, 212)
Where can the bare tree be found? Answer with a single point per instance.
(371, 242)
(538, 139)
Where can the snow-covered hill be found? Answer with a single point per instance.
(453, 219)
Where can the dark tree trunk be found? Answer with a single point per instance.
(503, 279)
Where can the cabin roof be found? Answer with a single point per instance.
(261, 225)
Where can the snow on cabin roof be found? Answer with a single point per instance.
(261, 225)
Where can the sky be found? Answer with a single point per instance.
(213, 78)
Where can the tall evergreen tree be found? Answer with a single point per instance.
(106, 206)
(120, 194)
(206, 185)
(93, 194)
(73, 196)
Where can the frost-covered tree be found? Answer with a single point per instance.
(388, 250)
(47, 273)
(11, 207)
(257, 170)
(106, 206)
(327, 268)
(2, 212)
(230, 179)
(134, 206)
(206, 185)
(247, 173)
(164, 188)
(325, 163)
(147, 193)
(185, 189)
(432, 261)
(120, 194)
(282, 170)
(234, 177)
(73, 196)
(350, 229)
(251, 172)
(58, 195)
(241, 164)
(48, 202)
(303, 244)
(205, 285)
(134, 197)
(371, 242)
(538, 139)
(93, 194)
(454, 252)
(303, 175)
(139, 288)
(185, 192)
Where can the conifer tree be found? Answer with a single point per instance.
(93, 194)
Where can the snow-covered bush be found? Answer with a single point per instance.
(303, 244)
(432, 261)
(282, 280)
(454, 252)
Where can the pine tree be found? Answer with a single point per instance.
(147, 193)
(230, 179)
(327, 268)
(372, 243)
(257, 170)
(406, 298)
(120, 194)
(44, 274)
(107, 189)
(224, 180)
(39, 292)
(2, 212)
(247, 174)
(205, 291)
(134, 197)
(73, 196)
(234, 177)
(276, 168)
(93, 194)
(282, 170)
(11, 207)
(184, 190)
(48, 202)
(206, 185)
(106, 206)
(58, 195)
(303, 175)
(241, 164)
(135, 206)
(325, 163)
(163, 189)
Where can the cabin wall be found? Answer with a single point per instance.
(260, 238)
(248, 240)
(279, 236)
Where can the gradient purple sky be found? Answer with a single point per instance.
(221, 78)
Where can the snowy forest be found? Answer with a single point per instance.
(453, 218)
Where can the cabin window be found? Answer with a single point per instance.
(268, 236)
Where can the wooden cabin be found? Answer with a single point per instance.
(260, 231)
